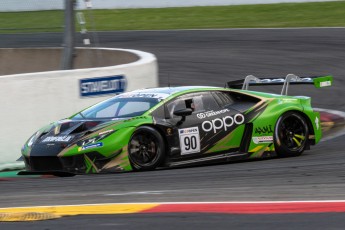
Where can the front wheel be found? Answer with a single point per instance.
(291, 135)
(146, 149)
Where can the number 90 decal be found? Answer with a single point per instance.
(189, 140)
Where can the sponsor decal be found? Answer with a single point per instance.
(317, 123)
(222, 123)
(169, 131)
(57, 139)
(189, 130)
(264, 139)
(325, 83)
(159, 96)
(290, 100)
(189, 140)
(264, 130)
(102, 86)
(96, 145)
(106, 132)
(282, 80)
(211, 113)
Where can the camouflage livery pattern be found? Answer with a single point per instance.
(241, 130)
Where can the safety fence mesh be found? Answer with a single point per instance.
(30, 16)
(27, 16)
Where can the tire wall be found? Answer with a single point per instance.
(31, 100)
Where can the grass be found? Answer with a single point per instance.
(34, 21)
(321, 14)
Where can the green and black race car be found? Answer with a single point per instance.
(173, 126)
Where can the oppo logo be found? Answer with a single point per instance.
(222, 123)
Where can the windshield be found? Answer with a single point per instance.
(118, 108)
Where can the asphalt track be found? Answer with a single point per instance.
(210, 57)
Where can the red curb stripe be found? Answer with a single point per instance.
(326, 116)
(251, 208)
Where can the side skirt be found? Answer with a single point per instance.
(233, 156)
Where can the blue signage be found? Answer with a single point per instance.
(102, 86)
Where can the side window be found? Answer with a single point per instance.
(175, 105)
(199, 102)
(209, 102)
(196, 103)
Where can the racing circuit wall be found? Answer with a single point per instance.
(31, 100)
(20, 5)
(28, 60)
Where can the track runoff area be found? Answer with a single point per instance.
(277, 207)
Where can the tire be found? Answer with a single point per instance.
(146, 149)
(290, 135)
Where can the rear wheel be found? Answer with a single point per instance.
(291, 135)
(146, 149)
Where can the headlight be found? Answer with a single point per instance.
(33, 138)
(95, 139)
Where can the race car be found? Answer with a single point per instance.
(174, 126)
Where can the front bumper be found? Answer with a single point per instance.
(73, 164)
(91, 162)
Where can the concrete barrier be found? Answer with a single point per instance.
(30, 60)
(31, 100)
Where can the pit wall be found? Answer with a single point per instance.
(31, 100)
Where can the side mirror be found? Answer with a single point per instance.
(183, 112)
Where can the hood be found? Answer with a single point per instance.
(57, 136)
(65, 128)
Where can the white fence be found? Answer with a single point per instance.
(32, 5)
(30, 101)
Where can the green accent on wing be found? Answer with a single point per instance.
(323, 81)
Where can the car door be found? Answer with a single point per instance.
(208, 123)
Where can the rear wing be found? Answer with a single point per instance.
(317, 81)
